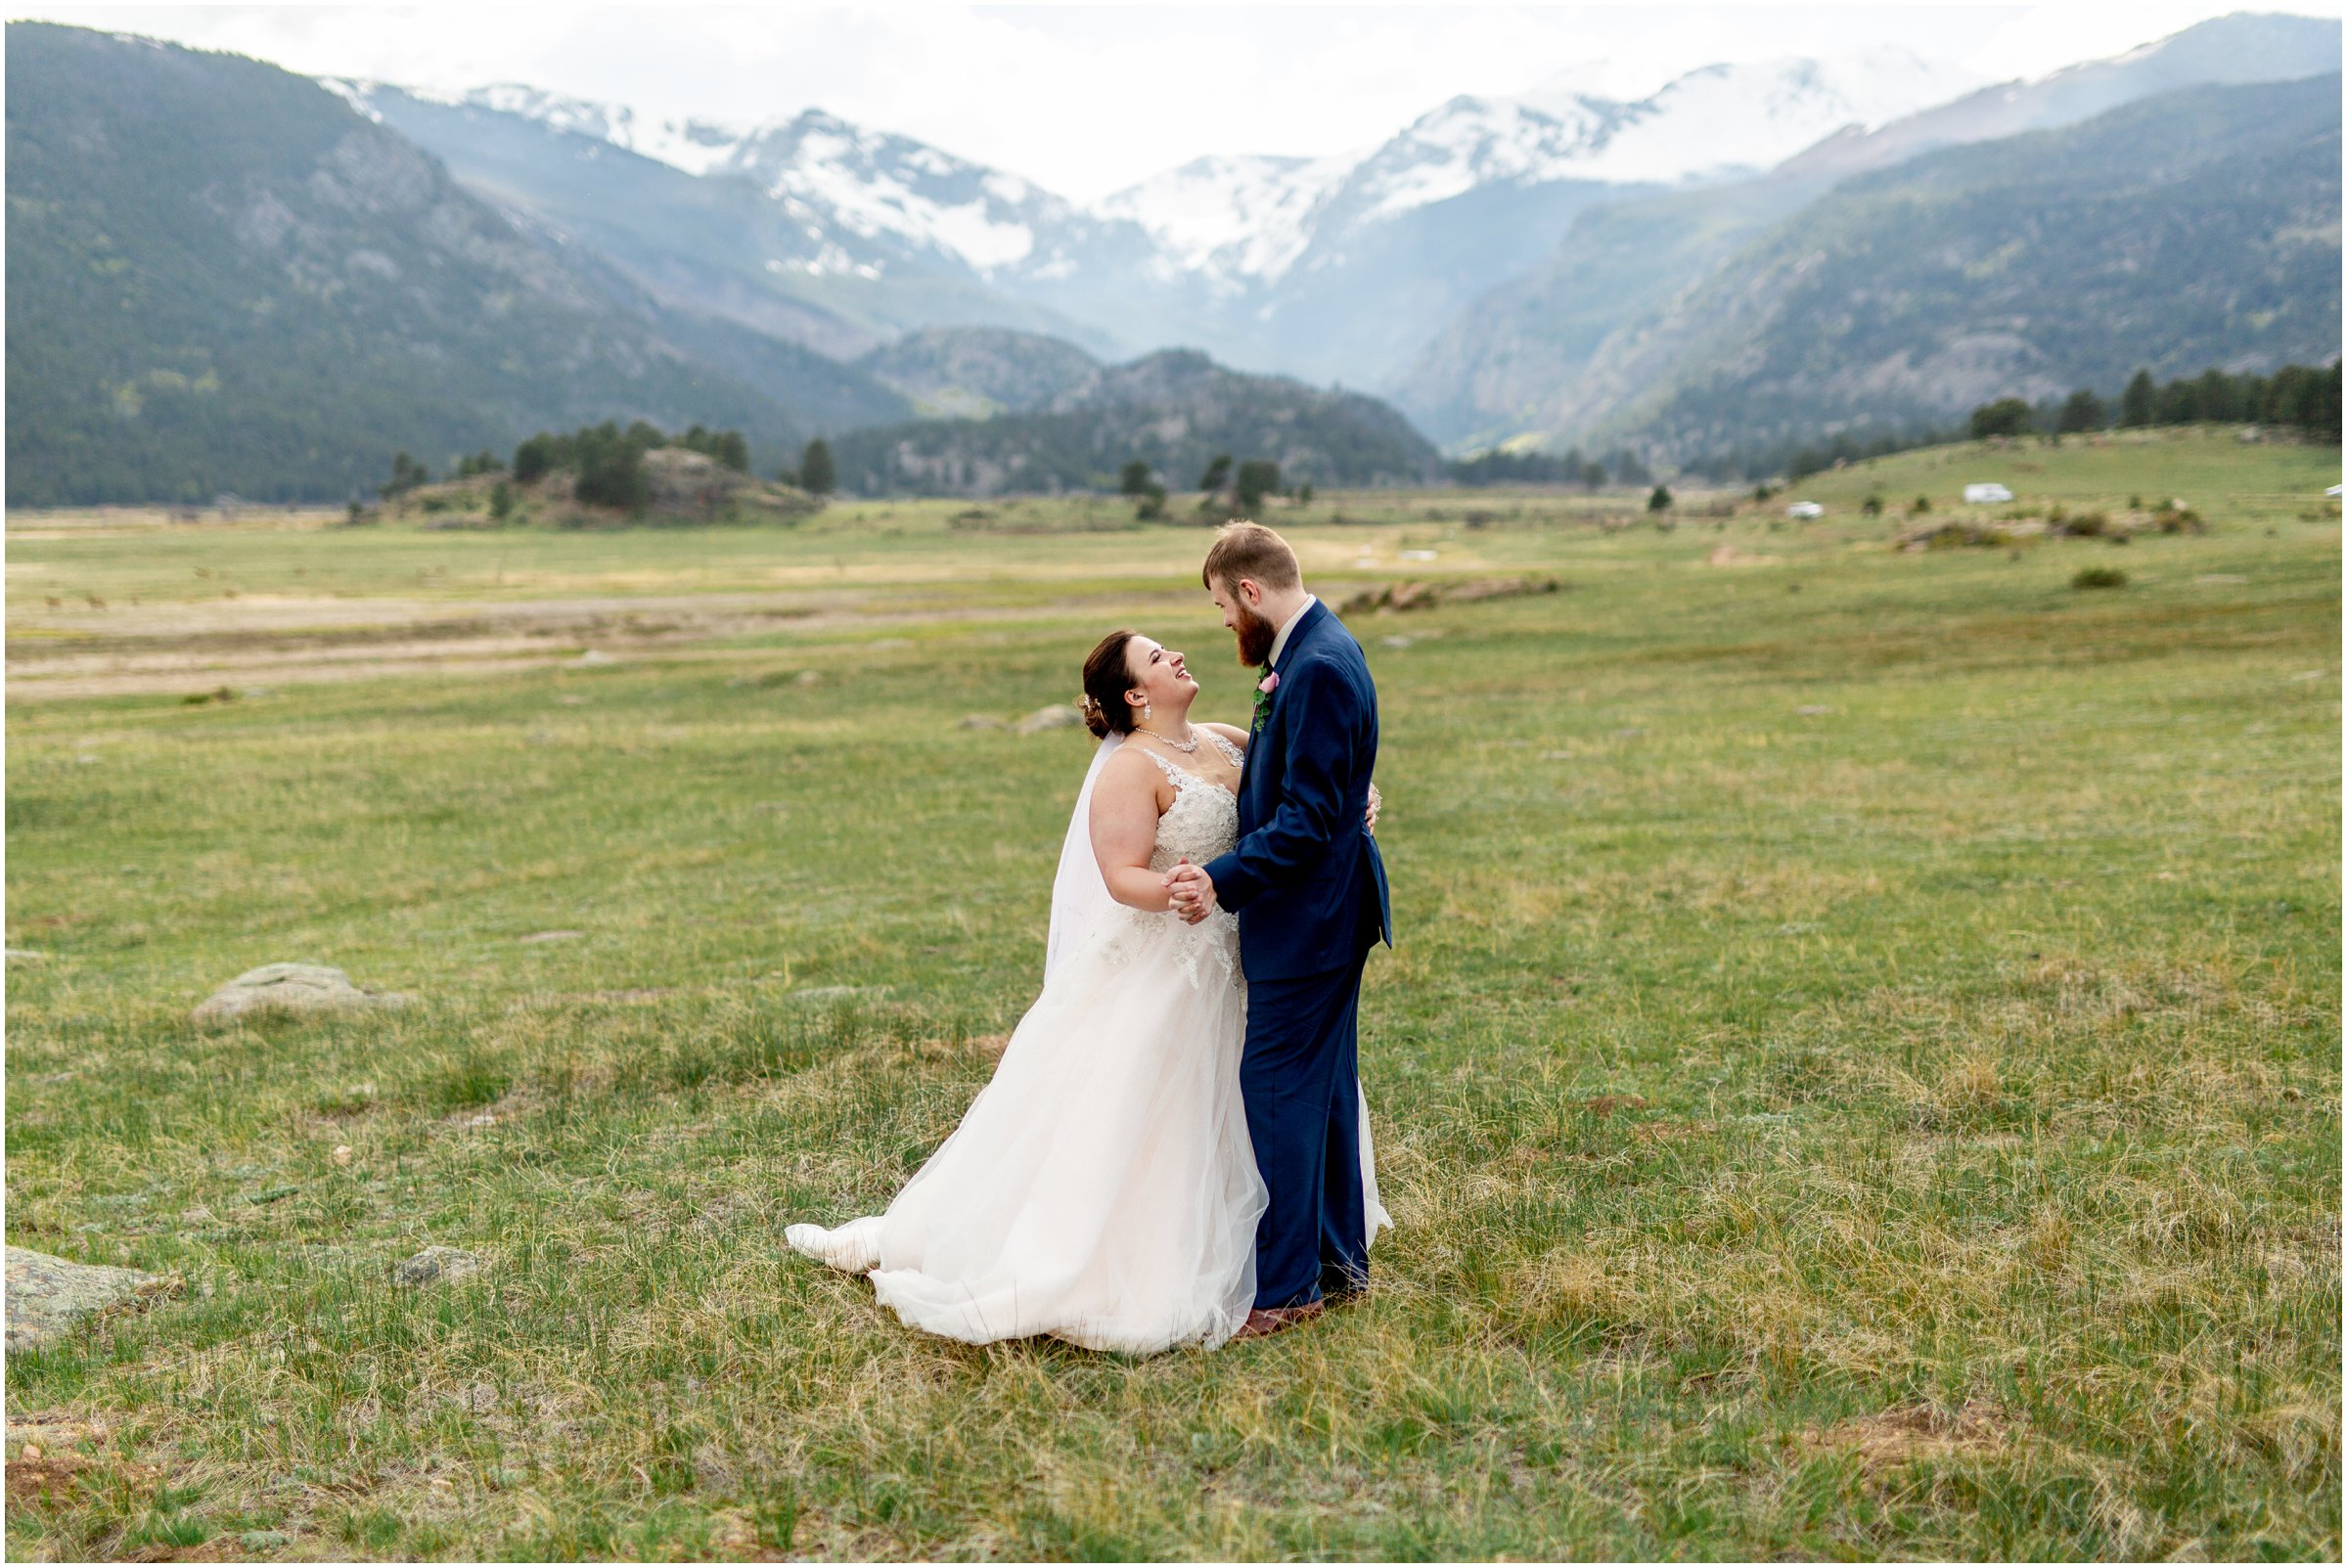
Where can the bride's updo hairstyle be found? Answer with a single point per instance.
(1105, 683)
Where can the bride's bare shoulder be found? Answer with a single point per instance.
(1229, 731)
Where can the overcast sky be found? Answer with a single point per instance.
(1088, 99)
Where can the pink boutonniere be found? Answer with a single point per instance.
(1263, 691)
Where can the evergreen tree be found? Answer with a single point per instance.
(1257, 478)
(1661, 500)
(2083, 412)
(1217, 474)
(1135, 480)
(816, 474)
(2006, 416)
(2138, 405)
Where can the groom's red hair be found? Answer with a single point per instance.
(1251, 550)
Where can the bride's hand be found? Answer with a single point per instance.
(1373, 798)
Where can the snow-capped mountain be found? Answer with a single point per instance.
(1257, 217)
(826, 171)
(1233, 217)
(694, 146)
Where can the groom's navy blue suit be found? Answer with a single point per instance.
(1309, 888)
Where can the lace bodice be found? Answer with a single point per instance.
(1203, 820)
(1201, 823)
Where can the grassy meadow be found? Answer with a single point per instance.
(1859, 1076)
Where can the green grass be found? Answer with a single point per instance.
(1859, 1076)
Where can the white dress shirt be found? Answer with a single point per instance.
(1280, 642)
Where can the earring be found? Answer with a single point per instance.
(1144, 707)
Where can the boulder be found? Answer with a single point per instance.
(1058, 716)
(438, 1265)
(289, 988)
(47, 1294)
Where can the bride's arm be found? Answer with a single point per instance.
(1125, 832)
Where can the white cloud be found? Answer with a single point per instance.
(1085, 99)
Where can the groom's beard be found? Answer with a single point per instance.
(1255, 636)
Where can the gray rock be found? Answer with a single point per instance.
(47, 1294)
(438, 1265)
(592, 657)
(982, 721)
(1057, 716)
(289, 988)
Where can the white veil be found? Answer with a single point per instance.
(1079, 895)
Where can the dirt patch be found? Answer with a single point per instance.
(1911, 1432)
(277, 640)
(45, 1477)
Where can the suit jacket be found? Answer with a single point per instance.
(1305, 878)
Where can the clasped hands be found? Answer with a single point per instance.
(1192, 891)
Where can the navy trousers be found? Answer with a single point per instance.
(1300, 1075)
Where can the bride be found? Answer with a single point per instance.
(1101, 1188)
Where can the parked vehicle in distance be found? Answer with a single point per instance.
(1979, 495)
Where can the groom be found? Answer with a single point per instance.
(1309, 889)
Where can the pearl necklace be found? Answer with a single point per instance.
(1179, 745)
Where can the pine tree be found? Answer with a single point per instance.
(1257, 478)
(2083, 412)
(2138, 405)
(816, 474)
(1217, 474)
(2006, 416)
(1661, 500)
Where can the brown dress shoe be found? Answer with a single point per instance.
(1271, 1320)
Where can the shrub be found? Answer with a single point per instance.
(1919, 506)
(501, 500)
(2099, 577)
(1872, 505)
(1661, 500)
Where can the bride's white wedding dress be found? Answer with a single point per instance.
(1101, 1188)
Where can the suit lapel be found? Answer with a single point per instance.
(1305, 623)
